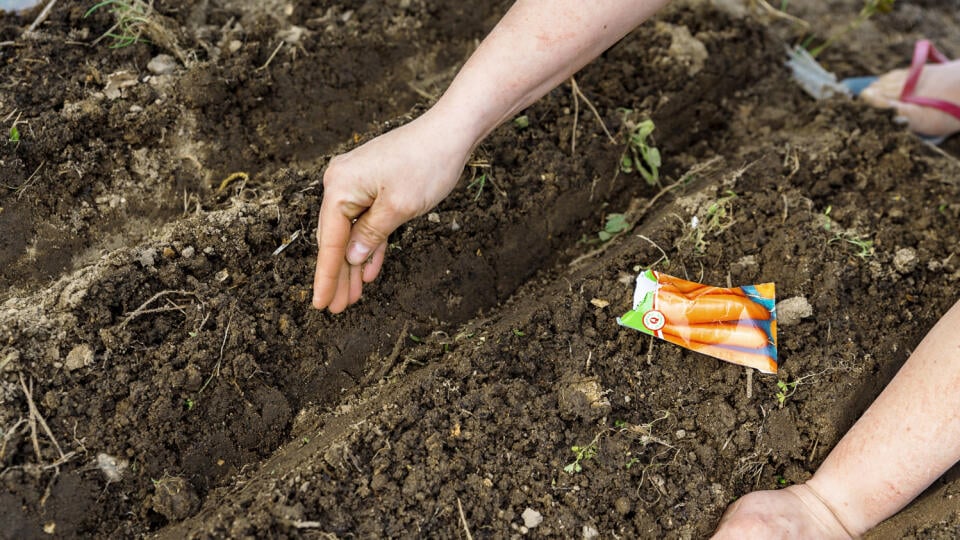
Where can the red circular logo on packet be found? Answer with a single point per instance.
(654, 320)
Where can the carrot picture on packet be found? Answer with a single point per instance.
(735, 324)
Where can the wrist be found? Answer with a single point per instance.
(826, 510)
(461, 123)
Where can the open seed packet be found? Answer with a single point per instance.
(736, 324)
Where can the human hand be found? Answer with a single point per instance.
(373, 189)
(795, 513)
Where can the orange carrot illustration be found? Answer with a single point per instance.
(757, 360)
(704, 289)
(739, 335)
(682, 285)
(679, 309)
(735, 324)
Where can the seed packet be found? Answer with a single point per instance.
(735, 324)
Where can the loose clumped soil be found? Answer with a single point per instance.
(186, 388)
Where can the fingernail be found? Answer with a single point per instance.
(357, 253)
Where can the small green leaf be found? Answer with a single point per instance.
(652, 157)
(616, 223)
(521, 122)
(14, 134)
(518, 333)
(645, 128)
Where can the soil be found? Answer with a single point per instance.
(161, 370)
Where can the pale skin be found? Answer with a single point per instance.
(875, 470)
(937, 80)
(907, 439)
(405, 173)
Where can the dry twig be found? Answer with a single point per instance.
(143, 307)
(9, 435)
(463, 519)
(216, 368)
(43, 16)
(35, 417)
(275, 51)
(577, 96)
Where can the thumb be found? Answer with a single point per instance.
(370, 231)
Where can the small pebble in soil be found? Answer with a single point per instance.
(148, 257)
(905, 260)
(531, 518)
(79, 357)
(162, 64)
(187, 252)
(623, 506)
(792, 310)
(590, 532)
(111, 467)
(433, 217)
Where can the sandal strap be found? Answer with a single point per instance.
(944, 106)
(924, 52)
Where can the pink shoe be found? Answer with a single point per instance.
(924, 52)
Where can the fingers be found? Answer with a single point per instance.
(356, 284)
(372, 268)
(337, 283)
(332, 234)
(371, 231)
(341, 297)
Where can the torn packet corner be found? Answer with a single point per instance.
(734, 324)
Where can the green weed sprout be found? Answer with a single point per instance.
(583, 453)
(14, 134)
(132, 20)
(640, 155)
(479, 182)
(869, 9)
(717, 218)
(616, 223)
(864, 246)
(785, 390)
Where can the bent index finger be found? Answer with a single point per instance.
(334, 230)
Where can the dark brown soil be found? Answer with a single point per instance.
(190, 390)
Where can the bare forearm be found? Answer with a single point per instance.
(536, 46)
(907, 439)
